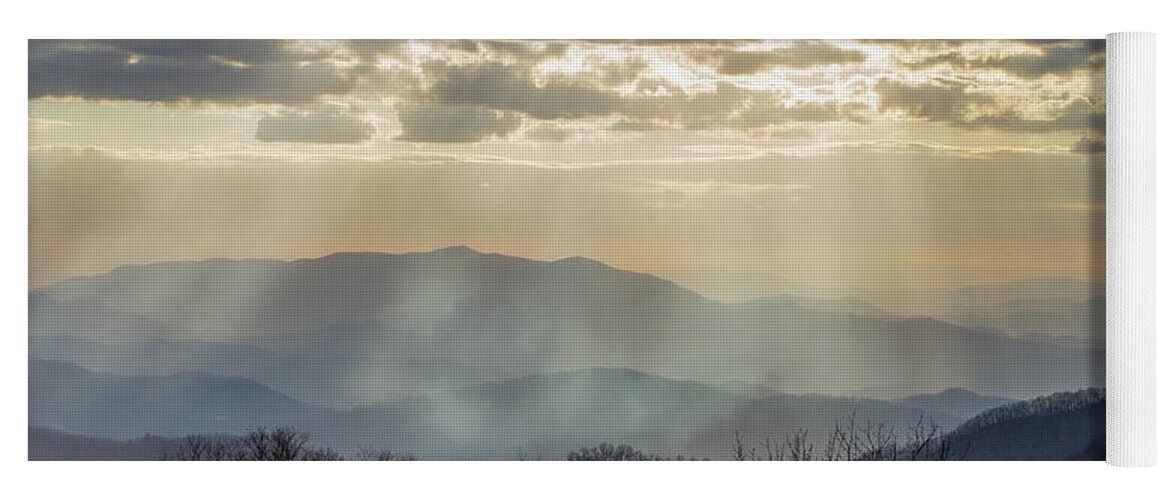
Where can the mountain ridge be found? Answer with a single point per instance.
(428, 321)
(545, 414)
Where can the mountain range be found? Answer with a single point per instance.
(80, 415)
(544, 415)
(363, 328)
(460, 354)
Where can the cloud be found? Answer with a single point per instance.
(800, 54)
(1077, 115)
(916, 43)
(962, 105)
(370, 50)
(569, 97)
(221, 71)
(939, 101)
(1047, 57)
(683, 43)
(327, 127)
(455, 123)
(1086, 145)
(248, 52)
(511, 87)
(623, 86)
(522, 50)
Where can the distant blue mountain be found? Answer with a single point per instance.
(66, 397)
(955, 401)
(844, 305)
(546, 415)
(1075, 319)
(1055, 306)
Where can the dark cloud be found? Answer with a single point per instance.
(1087, 145)
(800, 54)
(374, 47)
(1078, 115)
(513, 88)
(676, 42)
(529, 51)
(469, 46)
(1056, 57)
(327, 127)
(938, 101)
(458, 123)
(914, 43)
(959, 104)
(242, 51)
(223, 71)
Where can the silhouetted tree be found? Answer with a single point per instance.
(385, 456)
(919, 439)
(849, 440)
(609, 452)
(321, 455)
(260, 444)
(798, 446)
(738, 451)
(209, 448)
(878, 442)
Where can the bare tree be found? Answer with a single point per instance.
(772, 450)
(321, 455)
(849, 440)
(919, 439)
(738, 452)
(878, 442)
(193, 448)
(287, 443)
(609, 452)
(385, 456)
(843, 442)
(798, 447)
(209, 448)
(260, 444)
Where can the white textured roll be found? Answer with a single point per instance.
(1130, 249)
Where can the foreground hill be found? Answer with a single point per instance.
(356, 329)
(1064, 426)
(49, 444)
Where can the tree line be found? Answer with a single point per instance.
(849, 440)
(264, 444)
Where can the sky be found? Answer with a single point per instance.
(861, 165)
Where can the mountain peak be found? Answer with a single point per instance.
(581, 261)
(455, 250)
(957, 391)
